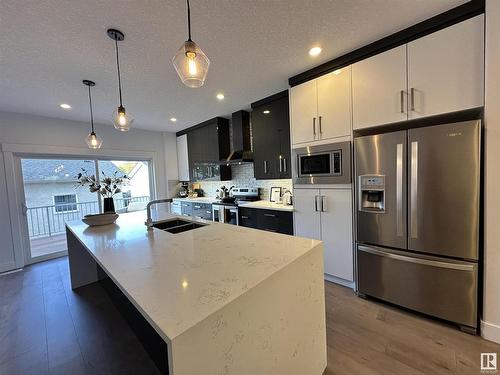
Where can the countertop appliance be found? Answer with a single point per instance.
(418, 219)
(226, 211)
(322, 164)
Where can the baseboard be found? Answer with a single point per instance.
(490, 331)
(338, 280)
(7, 266)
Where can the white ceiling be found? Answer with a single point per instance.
(47, 48)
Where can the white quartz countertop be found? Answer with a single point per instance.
(262, 204)
(267, 205)
(196, 200)
(178, 280)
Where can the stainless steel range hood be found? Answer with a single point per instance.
(242, 144)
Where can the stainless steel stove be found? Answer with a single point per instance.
(226, 210)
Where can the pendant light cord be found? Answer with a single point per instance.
(91, 112)
(118, 69)
(189, 21)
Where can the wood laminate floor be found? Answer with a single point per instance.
(46, 328)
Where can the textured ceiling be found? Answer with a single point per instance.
(47, 48)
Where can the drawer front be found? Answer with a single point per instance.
(434, 286)
(275, 221)
(202, 210)
(187, 208)
(248, 217)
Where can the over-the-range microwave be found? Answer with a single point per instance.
(322, 164)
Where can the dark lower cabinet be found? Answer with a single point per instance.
(268, 220)
(248, 217)
(186, 208)
(202, 211)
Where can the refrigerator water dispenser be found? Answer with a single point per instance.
(372, 193)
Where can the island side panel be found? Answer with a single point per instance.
(276, 328)
(83, 268)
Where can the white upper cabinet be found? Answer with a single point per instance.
(304, 112)
(379, 89)
(446, 69)
(320, 109)
(334, 104)
(182, 158)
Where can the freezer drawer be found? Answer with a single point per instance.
(434, 286)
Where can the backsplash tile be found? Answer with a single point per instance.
(243, 177)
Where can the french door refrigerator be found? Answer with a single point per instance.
(418, 218)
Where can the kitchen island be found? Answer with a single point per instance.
(218, 299)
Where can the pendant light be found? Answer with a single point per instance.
(93, 141)
(122, 120)
(190, 61)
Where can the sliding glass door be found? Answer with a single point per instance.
(135, 193)
(51, 197)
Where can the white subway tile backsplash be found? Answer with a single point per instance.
(243, 177)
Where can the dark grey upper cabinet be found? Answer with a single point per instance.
(271, 137)
(208, 144)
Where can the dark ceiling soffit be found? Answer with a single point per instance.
(219, 120)
(441, 21)
(269, 99)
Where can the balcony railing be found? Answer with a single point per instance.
(47, 221)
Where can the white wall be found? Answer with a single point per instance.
(47, 133)
(7, 260)
(491, 316)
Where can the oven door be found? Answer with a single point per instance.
(218, 213)
(231, 215)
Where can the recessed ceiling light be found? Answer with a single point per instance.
(173, 119)
(266, 112)
(315, 51)
(220, 96)
(65, 106)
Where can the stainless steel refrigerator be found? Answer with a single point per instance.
(418, 218)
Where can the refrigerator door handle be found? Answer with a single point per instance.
(422, 261)
(414, 191)
(399, 190)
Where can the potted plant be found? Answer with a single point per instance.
(107, 186)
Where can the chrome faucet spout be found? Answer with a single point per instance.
(149, 221)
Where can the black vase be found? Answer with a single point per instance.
(109, 205)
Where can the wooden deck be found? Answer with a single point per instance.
(41, 246)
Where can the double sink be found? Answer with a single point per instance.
(177, 225)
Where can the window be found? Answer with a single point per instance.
(65, 203)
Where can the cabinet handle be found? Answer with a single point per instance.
(208, 212)
(314, 125)
(402, 101)
(412, 98)
(323, 204)
(265, 166)
(316, 203)
(281, 168)
(244, 217)
(197, 206)
(284, 165)
(269, 215)
(320, 130)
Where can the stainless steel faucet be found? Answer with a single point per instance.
(149, 221)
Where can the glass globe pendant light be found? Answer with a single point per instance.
(190, 62)
(122, 120)
(92, 140)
